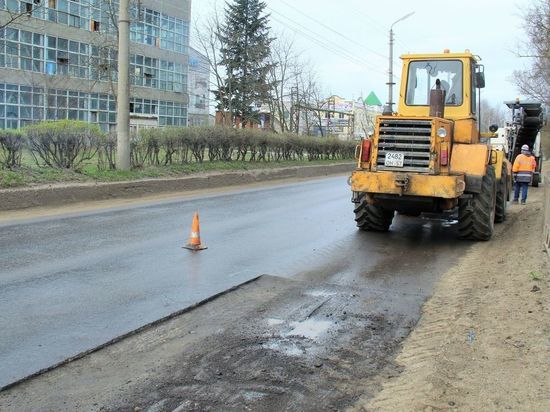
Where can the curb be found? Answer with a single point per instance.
(56, 195)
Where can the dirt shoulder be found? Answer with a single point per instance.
(483, 341)
(62, 194)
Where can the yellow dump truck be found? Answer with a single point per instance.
(430, 157)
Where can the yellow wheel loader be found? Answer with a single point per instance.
(428, 157)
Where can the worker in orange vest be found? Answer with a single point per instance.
(523, 169)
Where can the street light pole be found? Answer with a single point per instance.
(123, 95)
(389, 105)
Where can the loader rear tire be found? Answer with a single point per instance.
(476, 216)
(502, 196)
(372, 217)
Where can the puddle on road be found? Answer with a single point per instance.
(449, 223)
(275, 322)
(309, 328)
(444, 222)
(287, 347)
(291, 342)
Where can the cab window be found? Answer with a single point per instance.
(422, 77)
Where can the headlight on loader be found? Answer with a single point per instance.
(441, 132)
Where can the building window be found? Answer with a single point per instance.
(28, 8)
(74, 21)
(50, 68)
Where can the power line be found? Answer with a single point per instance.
(337, 45)
(335, 31)
(381, 28)
(319, 40)
(327, 44)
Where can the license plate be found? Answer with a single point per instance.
(394, 159)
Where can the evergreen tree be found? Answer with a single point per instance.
(245, 41)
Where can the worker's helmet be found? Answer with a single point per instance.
(524, 148)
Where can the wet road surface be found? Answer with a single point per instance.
(70, 283)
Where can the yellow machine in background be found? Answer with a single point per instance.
(429, 156)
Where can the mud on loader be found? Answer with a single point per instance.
(428, 157)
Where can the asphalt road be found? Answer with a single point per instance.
(70, 283)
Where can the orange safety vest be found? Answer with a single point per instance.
(524, 166)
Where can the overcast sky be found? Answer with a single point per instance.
(346, 41)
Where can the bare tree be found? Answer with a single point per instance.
(318, 107)
(491, 114)
(210, 44)
(310, 100)
(294, 94)
(535, 81)
(10, 15)
(285, 69)
(296, 101)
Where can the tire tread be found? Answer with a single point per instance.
(372, 217)
(477, 222)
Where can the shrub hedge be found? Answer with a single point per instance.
(168, 146)
(69, 144)
(11, 148)
(63, 144)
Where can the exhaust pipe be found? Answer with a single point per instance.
(437, 100)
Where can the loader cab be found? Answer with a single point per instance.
(459, 74)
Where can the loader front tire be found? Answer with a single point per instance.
(476, 216)
(372, 217)
(502, 196)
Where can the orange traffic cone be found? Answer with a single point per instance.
(194, 242)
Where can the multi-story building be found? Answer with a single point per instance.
(348, 119)
(58, 60)
(199, 89)
(365, 111)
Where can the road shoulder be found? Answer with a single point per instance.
(482, 342)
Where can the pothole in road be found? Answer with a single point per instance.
(310, 328)
(300, 339)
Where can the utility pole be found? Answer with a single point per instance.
(123, 97)
(295, 107)
(331, 103)
(389, 105)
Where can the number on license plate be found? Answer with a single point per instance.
(394, 159)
